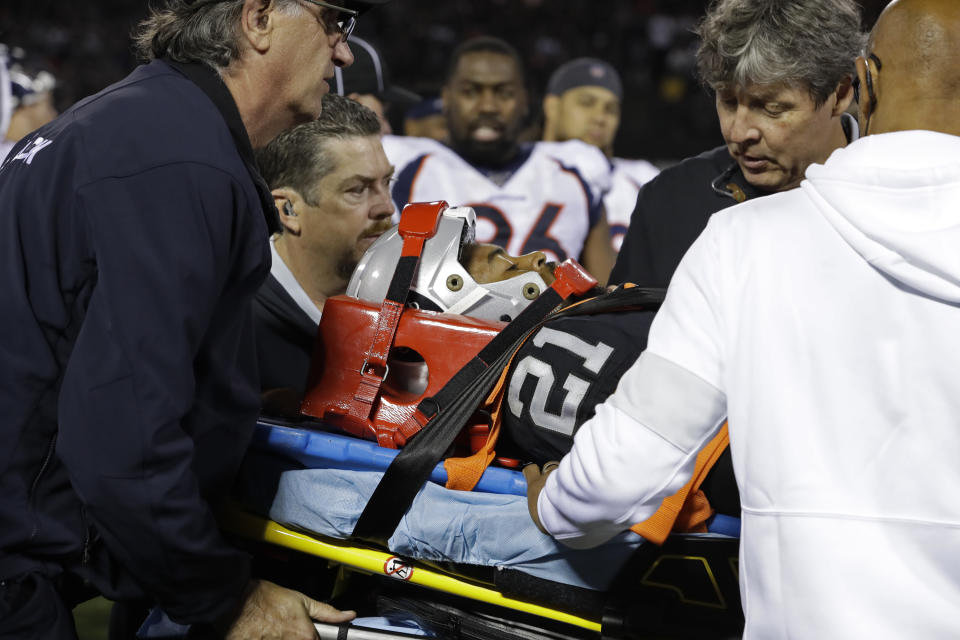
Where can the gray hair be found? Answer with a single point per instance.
(196, 31)
(299, 158)
(812, 43)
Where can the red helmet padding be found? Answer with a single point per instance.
(445, 341)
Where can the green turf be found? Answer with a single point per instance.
(92, 618)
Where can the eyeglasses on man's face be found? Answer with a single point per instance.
(337, 20)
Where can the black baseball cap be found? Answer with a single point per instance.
(369, 75)
(585, 72)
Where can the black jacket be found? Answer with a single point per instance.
(131, 244)
(285, 337)
(672, 211)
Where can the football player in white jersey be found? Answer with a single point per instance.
(527, 197)
(583, 103)
(26, 92)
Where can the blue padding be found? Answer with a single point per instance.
(724, 525)
(462, 527)
(322, 450)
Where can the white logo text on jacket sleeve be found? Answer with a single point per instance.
(31, 150)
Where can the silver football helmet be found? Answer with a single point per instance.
(442, 283)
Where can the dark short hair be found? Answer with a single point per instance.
(487, 44)
(812, 43)
(299, 158)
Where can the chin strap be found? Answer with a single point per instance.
(418, 223)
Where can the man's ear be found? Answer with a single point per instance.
(551, 108)
(844, 95)
(445, 100)
(288, 203)
(257, 23)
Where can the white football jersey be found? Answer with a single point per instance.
(547, 200)
(627, 178)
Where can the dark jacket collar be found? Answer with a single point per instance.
(283, 309)
(731, 183)
(212, 84)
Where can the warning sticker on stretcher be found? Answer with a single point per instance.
(397, 568)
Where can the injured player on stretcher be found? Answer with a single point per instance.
(460, 296)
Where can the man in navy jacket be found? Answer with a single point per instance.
(133, 236)
(781, 104)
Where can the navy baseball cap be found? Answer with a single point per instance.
(369, 75)
(425, 109)
(585, 72)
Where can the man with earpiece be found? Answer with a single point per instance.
(331, 182)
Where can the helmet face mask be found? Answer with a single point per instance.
(442, 282)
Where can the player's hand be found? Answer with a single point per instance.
(536, 479)
(270, 611)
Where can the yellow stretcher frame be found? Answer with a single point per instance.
(375, 562)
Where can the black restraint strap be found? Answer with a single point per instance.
(449, 410)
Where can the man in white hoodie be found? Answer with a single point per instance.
(825, 323)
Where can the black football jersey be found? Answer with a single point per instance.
(561, 373)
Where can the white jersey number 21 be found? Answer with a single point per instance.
(593, 356)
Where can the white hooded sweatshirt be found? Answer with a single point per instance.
(825, 322)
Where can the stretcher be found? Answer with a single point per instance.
(685, 589)
(357, 522)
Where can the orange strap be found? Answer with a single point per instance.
(464, 473)
(687, 509)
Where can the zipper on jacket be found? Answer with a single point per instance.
(723, 186)
(36, 479)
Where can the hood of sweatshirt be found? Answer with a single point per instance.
(895, 198)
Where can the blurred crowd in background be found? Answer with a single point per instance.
(667, 114)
